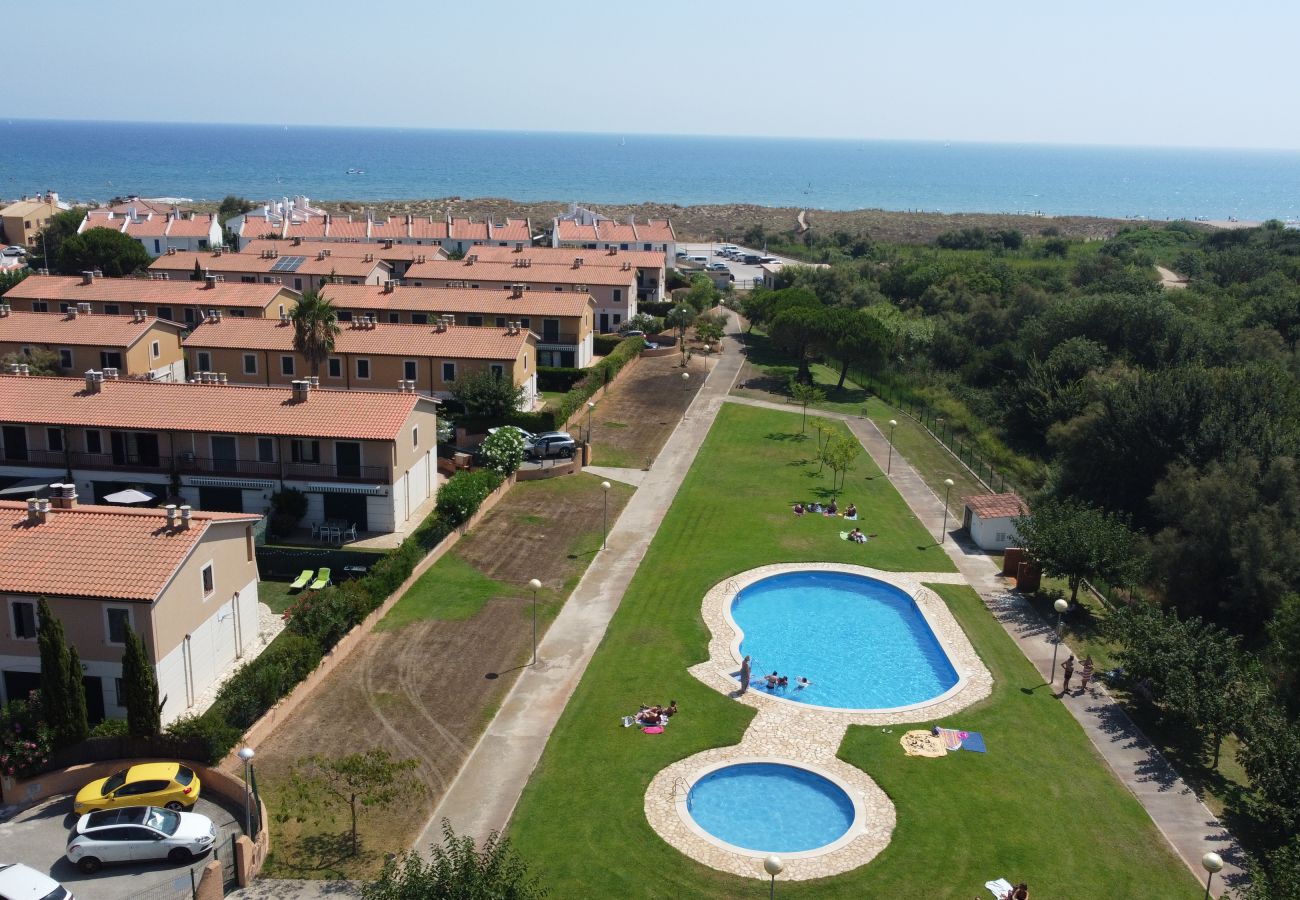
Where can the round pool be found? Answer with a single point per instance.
(770, 807)
(861, 643)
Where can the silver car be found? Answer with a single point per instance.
(137, 834)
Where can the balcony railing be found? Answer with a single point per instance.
(188, 464)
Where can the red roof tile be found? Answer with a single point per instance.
(384, 339)
(997, 506)
(230, 409)
(97, 551)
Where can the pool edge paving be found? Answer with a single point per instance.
(804, 735)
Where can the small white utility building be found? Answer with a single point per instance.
(988, 519)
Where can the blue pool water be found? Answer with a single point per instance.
(862, 643)
(770, 807)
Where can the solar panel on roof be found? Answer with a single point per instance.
(288, 263)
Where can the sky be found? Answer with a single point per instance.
(1153, 73)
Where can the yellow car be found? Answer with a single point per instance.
(148, 784)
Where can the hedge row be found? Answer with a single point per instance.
(599, 375)
(320, 619)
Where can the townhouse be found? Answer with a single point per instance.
(159, 233)
(562, 320)
(361, 456)
(613, 288)
(299, 271)
(136, 346)
(176, 300)
(650, 265)
(590, 230)
(368, 355)
(185, 581)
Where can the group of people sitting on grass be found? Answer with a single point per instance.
(656, 715)
(829, 509)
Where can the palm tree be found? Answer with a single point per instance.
(315, 323)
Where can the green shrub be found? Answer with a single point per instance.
(557, 378)
(111, 728)
(464, 492)
(211, 730)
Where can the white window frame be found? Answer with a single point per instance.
(13, 631)
(108, 631)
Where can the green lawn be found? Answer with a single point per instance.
(1039, 806)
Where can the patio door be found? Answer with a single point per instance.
(15, 438)
(225, 453)
(347, 459)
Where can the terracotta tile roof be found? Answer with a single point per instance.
(98, 551)
(646, 259)
(59, 328)
(177, 291)
(489, 301)
(539, 273)
(997, 506)
(228, 409)
(457, 342)
(182, 264)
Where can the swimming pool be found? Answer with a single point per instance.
(862, 643)
(770, 807)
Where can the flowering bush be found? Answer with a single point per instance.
(25, 740)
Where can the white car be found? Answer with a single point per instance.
(137, 834)
(18, 882)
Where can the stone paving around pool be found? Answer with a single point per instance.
(788, 731)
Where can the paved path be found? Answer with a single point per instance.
(634, 477)
(1191, 829)
(484, 793)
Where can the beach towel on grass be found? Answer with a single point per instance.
(999, 887)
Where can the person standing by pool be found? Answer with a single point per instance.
(1068, 667)
(745, 674)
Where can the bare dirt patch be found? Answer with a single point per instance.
(426, 689)
(632, 422)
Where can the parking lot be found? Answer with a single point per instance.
(38, 836)
(746, 275)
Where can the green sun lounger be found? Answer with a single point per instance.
(303, 579)
(322, 580)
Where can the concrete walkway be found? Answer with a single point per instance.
(1191, 829)
(483, 796)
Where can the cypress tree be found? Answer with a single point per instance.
(55, 696)
(140, 689)
(78, 721)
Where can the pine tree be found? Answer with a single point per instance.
(62, 691)
(140, 689)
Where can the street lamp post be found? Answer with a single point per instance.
(604, 530)
(247, 754)
(943, 532)
(773, 866)
(536, 586)
(591, 407)
(889, 465)
(1060, 606)
(1212, 863)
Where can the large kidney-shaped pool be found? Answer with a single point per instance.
(770, 807)
(860, 642)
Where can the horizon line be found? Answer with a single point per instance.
(647, 134)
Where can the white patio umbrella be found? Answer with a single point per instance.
(129, 496)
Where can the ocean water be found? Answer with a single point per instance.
(861, 643)
(99, 160)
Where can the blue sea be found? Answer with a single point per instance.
(99, 160)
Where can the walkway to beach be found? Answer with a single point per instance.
(1191, 829)
(485, 792)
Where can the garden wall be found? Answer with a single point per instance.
(262, 728)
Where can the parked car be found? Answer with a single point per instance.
(138, 833)
(551, 444)
(19, 882)
(162, 784)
